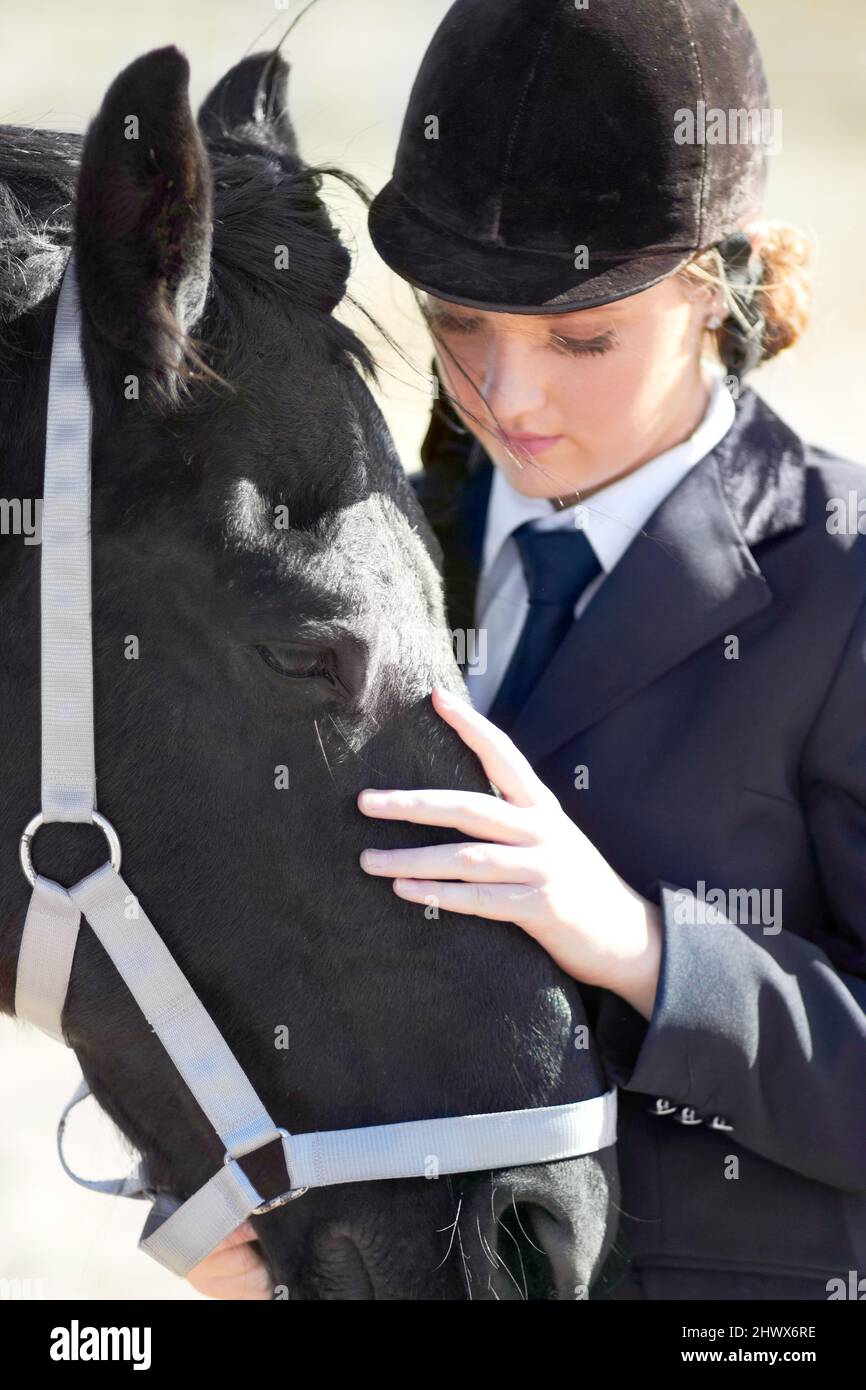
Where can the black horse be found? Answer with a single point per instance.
(268, 623)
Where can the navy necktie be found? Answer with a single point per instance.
(558, 565)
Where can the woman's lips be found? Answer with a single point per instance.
(530, 443)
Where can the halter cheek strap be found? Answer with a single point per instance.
(180, 1234)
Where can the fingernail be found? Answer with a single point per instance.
(370, 858)
(372, 798)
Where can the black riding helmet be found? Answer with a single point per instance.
(558, 155)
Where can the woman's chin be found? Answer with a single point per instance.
(536, 477)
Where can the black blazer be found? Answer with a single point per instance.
(738, 773)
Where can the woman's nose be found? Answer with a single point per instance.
(512, 385)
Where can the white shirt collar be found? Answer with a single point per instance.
(614, 514)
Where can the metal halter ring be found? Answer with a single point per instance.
(30, 829)
(291, 1196)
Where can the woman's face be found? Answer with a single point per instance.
(564, 403)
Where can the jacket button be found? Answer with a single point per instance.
(719, 1122)
(662, 1107)
(687, 1116)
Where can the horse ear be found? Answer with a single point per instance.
(251, 102)
(143, 218)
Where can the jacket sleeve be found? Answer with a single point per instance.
(768, 1030)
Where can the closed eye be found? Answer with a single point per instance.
(452, 323)
(579, 347)
(296, 662)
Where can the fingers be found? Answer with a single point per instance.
(473, 863)
(478, 814)
(499, 903)
(234, 1269)
(501, 759)
(240, 1235)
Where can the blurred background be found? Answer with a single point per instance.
(352, 67)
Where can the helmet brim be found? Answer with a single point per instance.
(498, 278)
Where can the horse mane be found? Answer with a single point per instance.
(38, 179)
(262, 198)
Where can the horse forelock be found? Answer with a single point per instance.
(264, 200)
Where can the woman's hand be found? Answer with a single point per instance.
(234, 1269)
(531, 865)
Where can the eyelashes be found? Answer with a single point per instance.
(584, 347)
(451, 326)
(447, 323)
(296, 663)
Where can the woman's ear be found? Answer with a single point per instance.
(707, 303)
(143, 219)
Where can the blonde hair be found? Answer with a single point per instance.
(783, 296)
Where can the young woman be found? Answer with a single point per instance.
(661, 591)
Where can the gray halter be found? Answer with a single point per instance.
(180, 1234)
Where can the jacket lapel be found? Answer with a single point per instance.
(688, 579)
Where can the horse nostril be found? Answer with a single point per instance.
(539, 1253)
(560, 1244)
(523, 1251)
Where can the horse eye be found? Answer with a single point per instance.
(299, 663)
